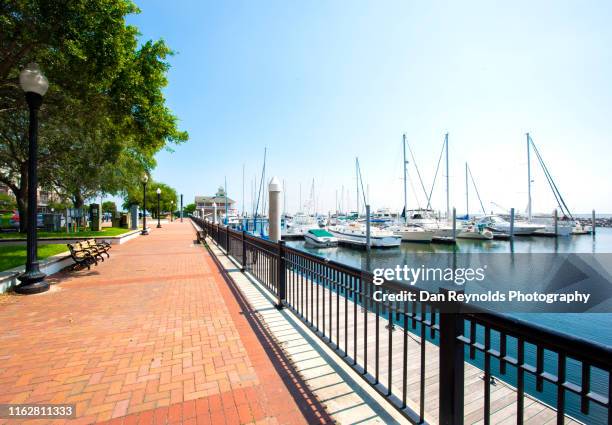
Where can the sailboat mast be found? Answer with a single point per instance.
(405, 180)
(467, 193)
(447, 181)
(357, 183)
(528, 178)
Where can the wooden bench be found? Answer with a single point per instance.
(82, 257)
(94, 249)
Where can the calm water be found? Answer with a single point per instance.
(593, 326)
(597, 327)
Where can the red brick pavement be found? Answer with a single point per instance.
(154, 335)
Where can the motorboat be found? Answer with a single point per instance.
(475, 231)
(382, 215)
(564, 226)
(355, 234)
(582, 229)
(427, 220)
(300, 224)
(320, 238)
(497, 224)
(411, 233)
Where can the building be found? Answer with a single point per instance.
(204, 204)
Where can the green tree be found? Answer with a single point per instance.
(167, 198)
(7, 202)
(104, 116)
(109, 207)
(189, 209)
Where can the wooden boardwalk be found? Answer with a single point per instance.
(503, 396)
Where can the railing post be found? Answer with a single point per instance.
(451, 369)
(282, 287)
(243, 268)
(227, 240)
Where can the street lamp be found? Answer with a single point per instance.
(171, 210)
(144, 180)
(158, 210)
(35, 85)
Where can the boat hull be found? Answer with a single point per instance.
(412, 236)
(360, 240)
(317, 242)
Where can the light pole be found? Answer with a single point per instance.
(35, 85)
(158, 210)
(144, 180)
(171, 210)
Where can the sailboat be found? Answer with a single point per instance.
(470, 229)
(563, 226)
(410, 232)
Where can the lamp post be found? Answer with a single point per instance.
(158, 210)
(171, 210)
(35, 85)
(144, 180)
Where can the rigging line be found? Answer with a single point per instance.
(562, 205)
(551, 181)
(361, 181)
(260, 187)
(415, 195)
(435, 176)
(418, 172)
(475, 188)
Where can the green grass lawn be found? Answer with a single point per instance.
(106, 231)
(13, 256)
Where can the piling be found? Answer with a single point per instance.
(593, 222)
(556, 221)
(511, 223)
(274, 210)
(214, 213)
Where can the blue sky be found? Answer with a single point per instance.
(321, 82)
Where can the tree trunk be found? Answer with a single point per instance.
(77, 200)
(22, 207)
(21, 195)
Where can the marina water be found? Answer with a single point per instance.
(592, 326)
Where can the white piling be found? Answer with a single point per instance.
(274, 210)
(214, 213)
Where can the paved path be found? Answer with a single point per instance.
(151, 336)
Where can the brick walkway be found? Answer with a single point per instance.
(154, 335)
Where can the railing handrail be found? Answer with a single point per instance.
(453, 336)
(595, 352)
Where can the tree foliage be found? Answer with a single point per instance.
(168, 197)
(104, 116)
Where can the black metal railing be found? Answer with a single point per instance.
(402, 347)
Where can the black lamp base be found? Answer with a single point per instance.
(144, 232)
(159, 226)
(32, 282)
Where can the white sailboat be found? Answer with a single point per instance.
(563, 226)
(410, 232)
(497, 224)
